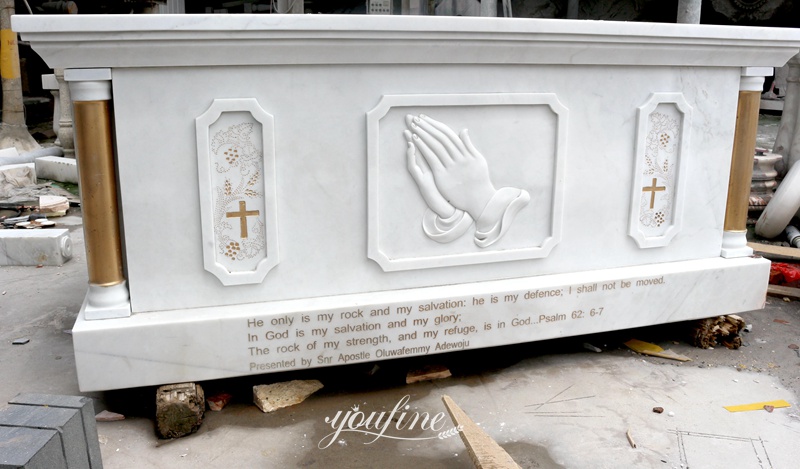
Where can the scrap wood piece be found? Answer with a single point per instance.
(427, 373)
(591, 347)
(646, 348)
(482, 449)
(630, 438)
(770, 250)
(724, 330)
(757, 406)
(783, 291)
(108, 416)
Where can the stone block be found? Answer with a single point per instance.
(57, 168)
(80, 403)
(67, 422)
(271, 397)
(30, 448)
(35, 247)
(49, 82)
(10, 156)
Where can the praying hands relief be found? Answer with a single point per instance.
(454, 181)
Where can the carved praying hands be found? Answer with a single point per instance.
(460, 171)
(427, 186)
(453, 179)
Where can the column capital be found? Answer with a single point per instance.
(757, 71)
(89, 84)
(753, 78)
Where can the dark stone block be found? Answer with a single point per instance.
(84, 404)
(31, 448)
(67, 422)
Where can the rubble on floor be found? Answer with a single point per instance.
(271, 397)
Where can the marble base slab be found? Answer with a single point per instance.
(219, 342)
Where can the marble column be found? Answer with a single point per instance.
(91, 95)
(787, 142)
(50, 84)
(573, 9)
(734, 237)
(65, 131)
(62, 111)
(291, 6)
(414, 7)
(689, 11)
(763, 184)
(489, 8)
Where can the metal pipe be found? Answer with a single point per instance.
(489, 8)
(573, 9)
(793, 236)
(689, 11)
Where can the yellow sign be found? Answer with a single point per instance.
(756, 406)
(9, 54)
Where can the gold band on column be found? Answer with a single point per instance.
(744, 144)
(98, 183)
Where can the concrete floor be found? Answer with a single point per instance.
(549, 404)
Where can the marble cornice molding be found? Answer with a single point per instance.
(246, 40)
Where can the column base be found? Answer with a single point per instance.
(107, 302)
(734, 244)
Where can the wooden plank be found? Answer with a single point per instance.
(780, 290)
(483, 450)
(770, 250)
(427, 373)
(630, 438)
(646, 348)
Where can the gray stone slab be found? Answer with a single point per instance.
(67, 422)
(83, 404)
(31, 448)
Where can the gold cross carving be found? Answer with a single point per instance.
(242, 215)
(652, 189)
